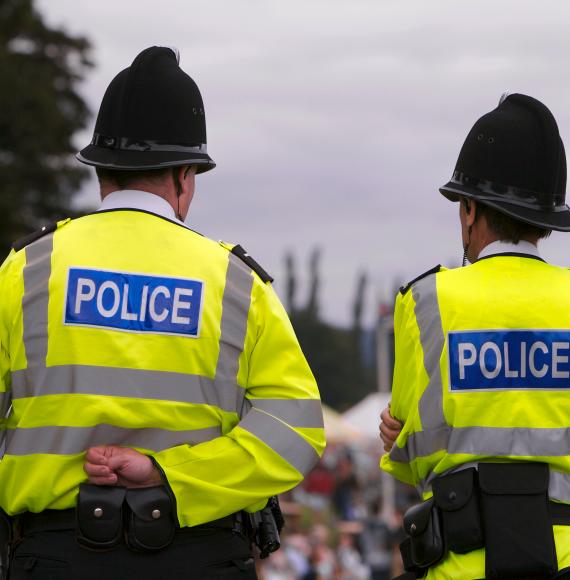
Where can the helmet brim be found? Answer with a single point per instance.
(140, 160)
(558, 220)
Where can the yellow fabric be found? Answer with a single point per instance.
(503, 292)
(209, 480)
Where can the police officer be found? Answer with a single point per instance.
(481, 394)
(154, 384)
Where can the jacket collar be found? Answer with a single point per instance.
(143, 200)
(523, 248)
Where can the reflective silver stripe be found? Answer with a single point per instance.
(72, 440)
(35, 300)
(124, 382)
(432, 341)
(517, 441)
(305, 413)
(489, 441)
(435, 431)
(559, 486)
(421, 444)
(282, 439)
(233, 328)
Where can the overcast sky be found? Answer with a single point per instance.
(334, 122)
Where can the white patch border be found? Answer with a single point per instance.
(127, 330)
(499, 389)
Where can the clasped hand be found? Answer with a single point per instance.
(389, 428)
(114, 465)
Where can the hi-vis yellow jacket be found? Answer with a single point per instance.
(126, 328)
(482, 373)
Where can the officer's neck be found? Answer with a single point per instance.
(478, 235)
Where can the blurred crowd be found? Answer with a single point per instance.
(337, 524)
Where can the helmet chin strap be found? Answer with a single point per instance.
(178, 214)
(466, 248)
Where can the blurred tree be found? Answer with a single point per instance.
(290, 282)
(358, 306)
(40, 110)
(335, 354)
(314, 278)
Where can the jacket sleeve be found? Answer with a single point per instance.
(410, 380)
(279, 438)
(6, 315)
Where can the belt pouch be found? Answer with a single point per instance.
(150, 521)
(456, 495)
(519, 541)
(100, 516)
(422, 525)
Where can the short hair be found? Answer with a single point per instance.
(124, 178)
(508, 228)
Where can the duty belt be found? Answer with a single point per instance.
(480, 508)
(55, 520)
(143, 519)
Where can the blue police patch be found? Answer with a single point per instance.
(509, 359)
(133, 302)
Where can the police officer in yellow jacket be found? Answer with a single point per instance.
(151, 382)
(482, 371)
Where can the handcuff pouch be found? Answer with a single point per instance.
(100, 516)
(457, 496)
(150, 519)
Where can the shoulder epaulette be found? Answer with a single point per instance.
(27, 240)
(245, 257)
(433, 270)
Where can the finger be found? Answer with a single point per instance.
(388, 443)
(94, 470)
(96, 455)
(389, 420)
(391, 434)
(109, 480)
(386, 440)
(119, 459)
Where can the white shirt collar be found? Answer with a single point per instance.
(502, 247)
(135, 199)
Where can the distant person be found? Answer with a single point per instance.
(154, 383)
(482, 372)
(346, 487)
(377, 540)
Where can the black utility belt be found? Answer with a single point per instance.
(141, 518)
(502, 507)
(105, 517)
(144, 519)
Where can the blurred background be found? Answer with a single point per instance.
(333, 123)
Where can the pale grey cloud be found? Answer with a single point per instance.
(333, 122)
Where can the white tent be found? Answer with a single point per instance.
(365, 415)
(338, 430)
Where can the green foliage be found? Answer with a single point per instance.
(334, 354)
(40, 110)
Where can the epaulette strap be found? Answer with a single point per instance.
(245, 257)
(434, 270)
(27, 240)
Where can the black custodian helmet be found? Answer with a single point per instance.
(152, 116)
(513, 160)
